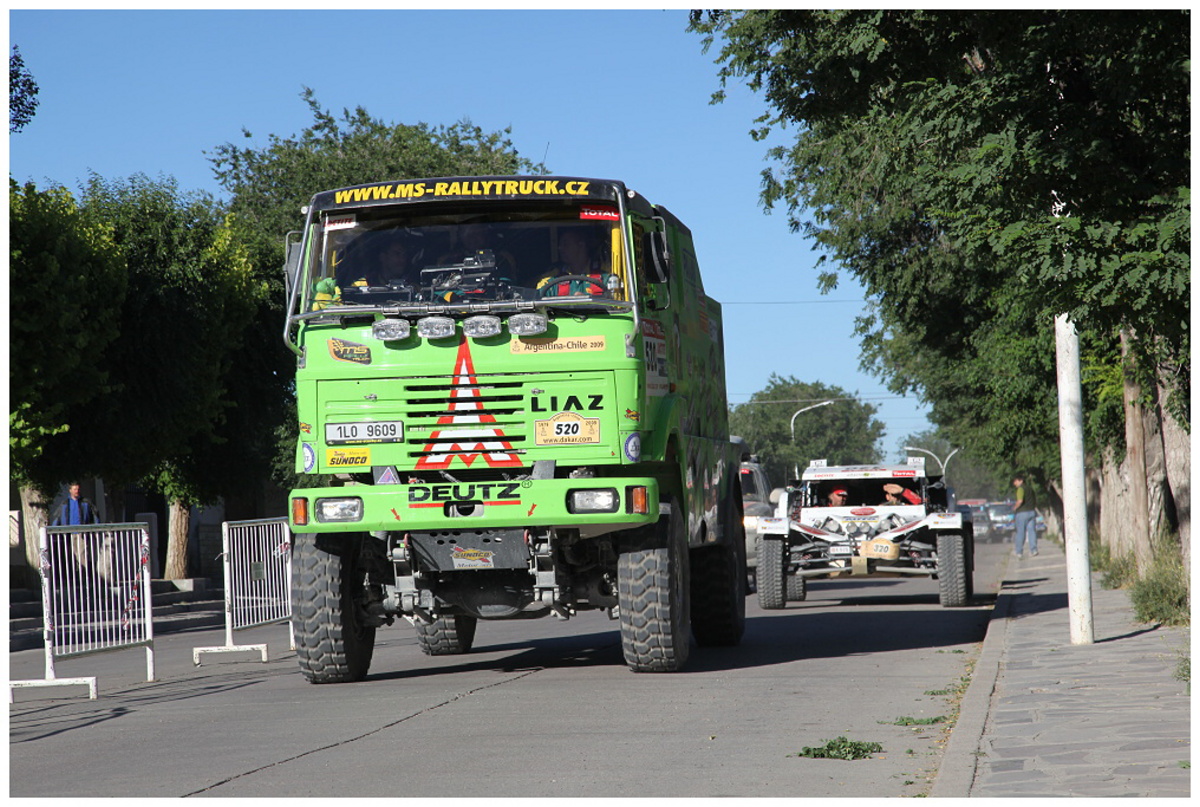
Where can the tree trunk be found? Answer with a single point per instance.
(1177, 453)
(35, 515)
(1138, 504)
(178, 522)
(1114, 527)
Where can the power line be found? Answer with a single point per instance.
(791, 302)
(818, 400)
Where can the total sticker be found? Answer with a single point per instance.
(633, 447)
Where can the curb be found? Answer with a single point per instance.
(956, 774)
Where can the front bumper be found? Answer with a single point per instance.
(477, 505)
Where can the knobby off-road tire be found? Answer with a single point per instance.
(953, 570)
(653, 597)
(772, 573)
(447, 635)
(332, 643)
(719, 583)
(797, 588)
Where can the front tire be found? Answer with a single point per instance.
(772, 573)
(953, 570)
(653, 597)
(333, 643)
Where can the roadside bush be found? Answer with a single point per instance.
(1117, 571)
(1161, 595)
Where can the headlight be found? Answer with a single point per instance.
(391, 330)
(435, 327)
(593, 501)
(527, 324)
(348, 509)
(481, 326)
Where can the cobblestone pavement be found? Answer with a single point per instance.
(1043, 717)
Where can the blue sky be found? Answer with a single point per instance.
(609, 94)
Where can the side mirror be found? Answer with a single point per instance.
(291, 262)
(658, 255)
(776, 495)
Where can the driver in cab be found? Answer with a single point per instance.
(578, 271)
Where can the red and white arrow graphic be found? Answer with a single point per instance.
(467, 409)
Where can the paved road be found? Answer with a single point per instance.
(541, 708)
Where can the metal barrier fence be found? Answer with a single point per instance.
(95, 596)
(257, 562)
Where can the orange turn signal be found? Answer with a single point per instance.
(639, 500)
(300, 511)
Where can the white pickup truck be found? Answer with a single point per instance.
(868, 521)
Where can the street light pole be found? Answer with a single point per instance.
(935, 456)
(796, 467)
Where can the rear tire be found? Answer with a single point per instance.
(333, 644)
(719, 583)
(653, 597)
(447, 635)
(797, 588)
(953, 571)
(772, 573)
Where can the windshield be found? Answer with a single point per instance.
(750, 488)
(393, 257)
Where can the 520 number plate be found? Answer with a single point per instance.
(372, 431)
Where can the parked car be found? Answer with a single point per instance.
(1000, 518)
(756, 490)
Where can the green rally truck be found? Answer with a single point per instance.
(511, 398)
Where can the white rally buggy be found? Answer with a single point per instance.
(919, 535)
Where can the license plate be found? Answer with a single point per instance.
(371, 431)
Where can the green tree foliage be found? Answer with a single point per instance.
(979, 172)
(66, 288)
(844, 433)
(189, 296)
(22, 93)
(269, 185)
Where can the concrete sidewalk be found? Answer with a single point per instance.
(1043, 717)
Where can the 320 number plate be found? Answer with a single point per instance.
(373, 431)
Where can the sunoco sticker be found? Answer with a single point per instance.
(471, 558)
(348, 457)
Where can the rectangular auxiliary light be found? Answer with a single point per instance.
(348, 509)
(604, 500)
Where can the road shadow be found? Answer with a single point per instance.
(1030, 604)
(801, 631)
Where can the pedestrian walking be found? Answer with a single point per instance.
(75, 510)
(1024, 517)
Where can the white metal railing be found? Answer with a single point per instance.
(95, 596)
(257, 562)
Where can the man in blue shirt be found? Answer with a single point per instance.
(75, 510)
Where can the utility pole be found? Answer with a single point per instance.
(1070, 439)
